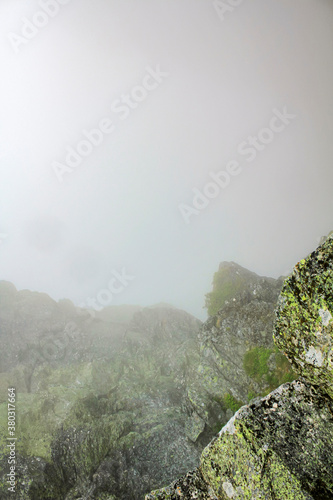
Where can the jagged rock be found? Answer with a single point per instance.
(194, 426)
(36, 330)
(115, 427)
(122, 418)
(242, 330)
(280, 447)
(228, 281)
(192, 485)
(304, 325)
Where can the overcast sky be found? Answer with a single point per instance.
(184, 92)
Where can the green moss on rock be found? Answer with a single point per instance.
(304, 317)
(231, 403)
(227, 282)
(267, 367)
(279, 447)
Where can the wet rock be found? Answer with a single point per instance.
(304, 317)
(280, 447)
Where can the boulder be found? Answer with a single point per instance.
(304, 318)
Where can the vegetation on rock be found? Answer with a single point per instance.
(269, 365)
(281, 446)
(304, 325)
(227, 282)
(114, 405)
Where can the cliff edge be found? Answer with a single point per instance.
(281, 446)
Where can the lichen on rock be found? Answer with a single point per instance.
(280, 447)
(304, 322)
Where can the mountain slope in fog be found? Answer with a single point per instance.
(112, 409)
(280, 446)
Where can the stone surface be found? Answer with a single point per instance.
(244, 322)
(280, 447)
(304, 324)
(127, 400)
(277, 448)
(192, 485)
(107, 426)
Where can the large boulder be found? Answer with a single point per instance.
(304, 324)
(279, 447)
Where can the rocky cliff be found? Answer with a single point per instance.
(281, 446)
(113, 405)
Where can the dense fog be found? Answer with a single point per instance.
(154, 140)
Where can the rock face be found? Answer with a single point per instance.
(238, 359)
(281, 446)
(35, 329)
(108, 426)
(228, 281)
(304, 326)
(112, 406)
(278, 447)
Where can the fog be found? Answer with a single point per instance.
(142, 143)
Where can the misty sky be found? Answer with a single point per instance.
(181, 91)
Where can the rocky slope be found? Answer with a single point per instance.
(238, 359)
(93, 423)
(228, 281)
(112, 405)
(281, 446)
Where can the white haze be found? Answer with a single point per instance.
(120, 207)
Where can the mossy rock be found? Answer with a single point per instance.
(267, 367)
(304, 317)
(227, 282)
(279, 447)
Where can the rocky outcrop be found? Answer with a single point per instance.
(36, 330)
(278, 447)
(238, 359)
(304, 326)
(129, 398)
(110, 426)
(281, 446)
(229, 280)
